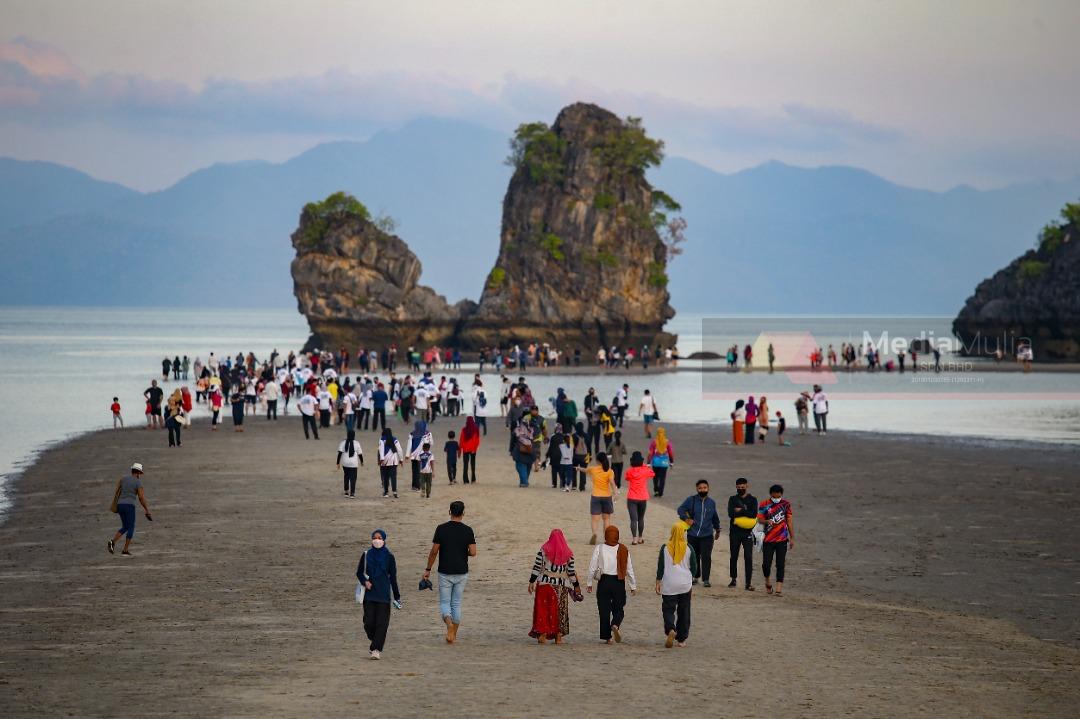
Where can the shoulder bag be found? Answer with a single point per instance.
(115, 499)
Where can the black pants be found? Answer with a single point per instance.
(582, 477)
(309, 421)
(658, 481)
(174, 433)
(768, 550)
(378, 415)
(363, 419)
(556, 473)
(703, 549)
(350, 480)
(819, 421)
(747, 544)
(271, 408)
(616, 467)
(636, 508)
(676, 610)
(610, 600)
(416, 474)
(751, 429)
(376, 622)
(451, 470)
(389, 479)
(592, 439)
(324, 417)
(468, 459)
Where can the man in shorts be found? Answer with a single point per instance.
(154, 395)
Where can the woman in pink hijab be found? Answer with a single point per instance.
(552, 579)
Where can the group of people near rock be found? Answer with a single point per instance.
(751, 420)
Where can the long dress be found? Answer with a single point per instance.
(551, 603)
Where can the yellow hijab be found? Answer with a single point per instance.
(661, 441)
(676, 543)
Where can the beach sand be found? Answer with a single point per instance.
(931, 578)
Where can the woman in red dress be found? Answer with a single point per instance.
(552, 577)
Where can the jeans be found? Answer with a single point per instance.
(468, 459)
(636, 508)
(482, 423)
(376, 622)
(523, 470)
(309, 421)
(567, 471)
(378, 415)
(389, 479)
(610, 601)
(350, 480)
(364, 418)
(451, 589)
(703, 549)
(174, 432)
(676, 611)
(819, 422)
(769, 549)
(127, 519)
(116, 418)
(747, 545)
(350, 422)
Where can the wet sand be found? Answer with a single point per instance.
(931, 577)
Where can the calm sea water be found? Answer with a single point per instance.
(62, 366)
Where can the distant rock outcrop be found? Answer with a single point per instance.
(357, 285)
(581, 262)
(1036, 297)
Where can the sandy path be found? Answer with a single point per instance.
(239, 601)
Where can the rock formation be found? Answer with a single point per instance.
(1036, 297)
(357, 285)
(581, 263)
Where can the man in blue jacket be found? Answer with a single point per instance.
(699, 511)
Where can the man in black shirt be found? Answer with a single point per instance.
(741, 504)
(154, 395)
(453, 543)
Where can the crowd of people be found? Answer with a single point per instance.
(849, 358)
(751, 420)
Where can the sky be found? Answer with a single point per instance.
(926, 93)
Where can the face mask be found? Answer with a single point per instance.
(741, 491)
(377, 543)
(704, 494)
(775, 499)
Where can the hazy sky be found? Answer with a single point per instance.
(930, 94)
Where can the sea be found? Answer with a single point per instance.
(61, 367)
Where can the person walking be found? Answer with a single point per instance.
(675, 569)
(349, 458)
(271, 393)
(153, 395)
(550, 582)
(470, 445)
(611, 566)
(174, 417)
(128, 491)
(742, 508)
(236, 401)
(390, 457)
(307, 405)
(648, 411)
(454, 542)
(617, 456)
(699, 512)
(637, 495)
(661, 458)
(776, 514)
(377, 574)
(379, 398)
(216, 402)
(602, 499)
(417, 439)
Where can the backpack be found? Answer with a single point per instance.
(481, 398)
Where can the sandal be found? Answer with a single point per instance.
(778, 594)
(768, 589)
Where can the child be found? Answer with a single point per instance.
(781, 425)
(427, 469)
(452, 449)
(116, 418)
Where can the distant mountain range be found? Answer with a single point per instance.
(770, 239)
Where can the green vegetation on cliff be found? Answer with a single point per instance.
(1054, 233)
(317, 215)
(630, 150)
(536, 147)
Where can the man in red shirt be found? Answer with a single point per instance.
(776, 514)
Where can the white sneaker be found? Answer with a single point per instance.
(375, 654)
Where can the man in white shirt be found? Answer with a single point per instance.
(308, 404)
(821, 410)
(326, 403)
(622, 401)
(420, 401)
(647, 411)
(348, 409)
(271, 393)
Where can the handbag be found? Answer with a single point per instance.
(115, 499)
(361, 590)
(599, 571)
(661, 461)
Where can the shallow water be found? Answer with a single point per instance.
(62, 366)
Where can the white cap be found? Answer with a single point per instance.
(136, 467)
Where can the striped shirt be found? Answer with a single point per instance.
(544, 572)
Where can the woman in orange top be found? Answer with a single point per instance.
(601, 503)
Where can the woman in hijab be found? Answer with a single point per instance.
(661, 457)
(553, 575)
(611, 566)
(377, 575)
(349, 457)
(751, 419)
(763, 419)
(738, 422)
(470, 443)
(390, 456)
(417, 439)
(675, 572)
